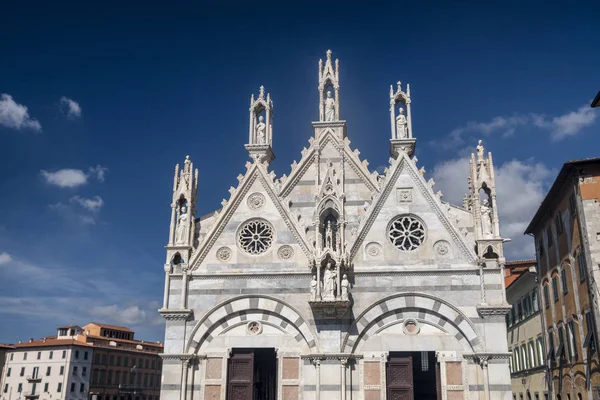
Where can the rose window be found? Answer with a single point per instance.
(406, 233)
(255, 236)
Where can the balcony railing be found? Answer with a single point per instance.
(34, 378)
(31, 395)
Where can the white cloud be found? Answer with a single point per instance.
(98, 171)
(65, 177)
(5, 258)
(520, 186)
(559, 127)
(94, 204)
(132, 315)
(572, 123)
(71, 178)
(16, 116)
(70, 107)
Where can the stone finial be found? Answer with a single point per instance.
(399, 86)
(261, 92)
(328, 54)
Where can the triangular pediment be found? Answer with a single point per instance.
(254, 199)
(406, 193)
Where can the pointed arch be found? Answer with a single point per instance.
(232, 311)
(434, 311)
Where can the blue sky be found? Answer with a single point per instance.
(99, 103)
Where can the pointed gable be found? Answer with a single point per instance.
(405, 193)
(255, 199)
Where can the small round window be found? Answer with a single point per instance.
(406, 232)
(255, 236)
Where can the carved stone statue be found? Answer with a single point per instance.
(401, 125)
(329, 107)
(486, 219)
(345, 287)
(260, 131)
(329, 283)
(313, 288)
(181, 234)
(480, 151)
(329, 236)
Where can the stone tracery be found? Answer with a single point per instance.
(255, 236)
(406, 233)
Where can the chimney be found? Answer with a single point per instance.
(30, 340)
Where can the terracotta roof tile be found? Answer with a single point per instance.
(51, 342)
(136, 342)
(115, 327)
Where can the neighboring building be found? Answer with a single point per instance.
(335, 282)
(596, 101)
(525, 340)
(56, 367)
(123, 368)
(4, 348)
(566, 229)
(96, 362)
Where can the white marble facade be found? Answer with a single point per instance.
(335, 267)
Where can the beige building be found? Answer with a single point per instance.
(524, 328)
(566, 228)
(94, 362)
(52, 368)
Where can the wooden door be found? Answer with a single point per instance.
(399, 374)
(240, 377)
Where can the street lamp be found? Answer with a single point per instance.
(596, 101)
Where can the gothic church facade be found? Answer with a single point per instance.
(335, 282)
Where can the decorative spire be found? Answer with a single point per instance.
(401, 125)
(329, 90)
(482, 185)
(260, 137)
(185, 191)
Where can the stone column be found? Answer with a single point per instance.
(482, 284)
(343, 363)
(337, 104)
(184, 378)
(268, 134)
(408, 115)
(338, 289)
(318, 282)
(190, 223)
(317, 364)
(321, 102)
(483, 362)
(251, 123)
(173, 218)
(393, 117)
(184, 281)
(167, 286)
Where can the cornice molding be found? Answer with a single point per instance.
(487, 310)
(175, 314)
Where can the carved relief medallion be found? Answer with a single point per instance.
(373, 249)
(404, 195)
(285, 252)
(224, 253)
(411, 327)
(442, 249)
(254, 328)
(256, 201)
